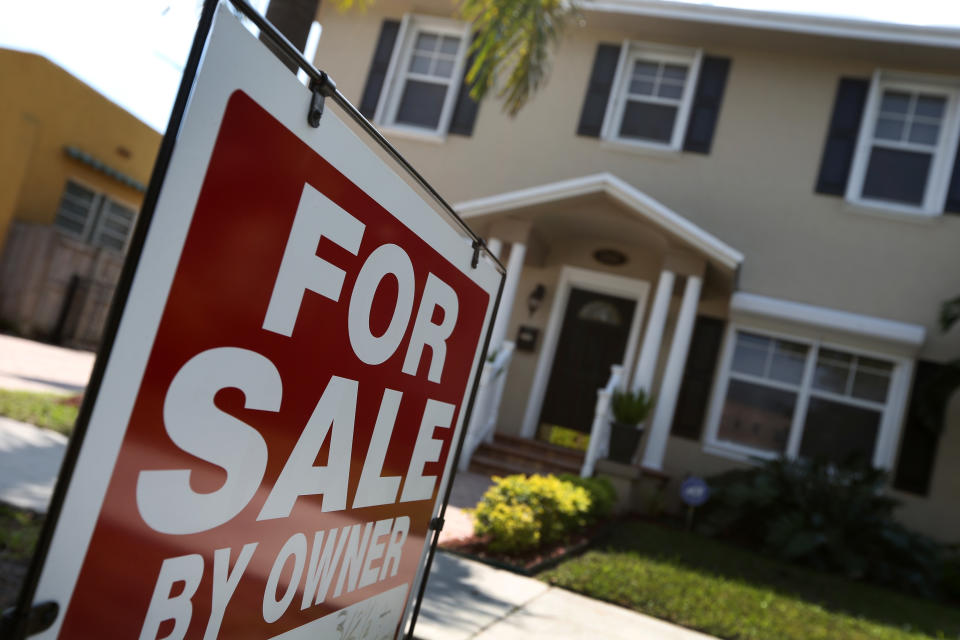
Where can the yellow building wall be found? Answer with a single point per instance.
(45, 109)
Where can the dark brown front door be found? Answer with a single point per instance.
(593, 337)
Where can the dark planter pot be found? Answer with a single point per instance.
(624, 439)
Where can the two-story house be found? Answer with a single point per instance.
(749, 212)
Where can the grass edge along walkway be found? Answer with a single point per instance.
(46, 410)
(735, 594)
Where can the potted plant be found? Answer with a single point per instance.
(629, 410)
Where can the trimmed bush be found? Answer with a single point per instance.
(602, 495)
(825, 517)
(521, 513)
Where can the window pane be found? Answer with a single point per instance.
(750, 354)
(674, 72)
(898, 176)
(420, 64)
(872, 379)
(421, 104)
(839, 433)
(449, 45)
(426, 42)
(641, 87)
(889, 129)
(788, 362)
(923, 133)
(895, 102)
(757, 416)
(931, 106)
(648, 121)
(74, 208)
(646, 70)
(832, 372)
(670, 90)
(444, 68)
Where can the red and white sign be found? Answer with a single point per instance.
(276, 421)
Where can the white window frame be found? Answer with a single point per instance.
(941, 165)
(892, 411)
(410, 27)
(631, 52)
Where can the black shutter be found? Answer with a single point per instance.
(953, 193)
(706, 104)
(598, 90)
(842, 136)
(378, 68)
(698, 378)
(465, 110)
(918, 445)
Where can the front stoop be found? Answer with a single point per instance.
(639, 489)
(508, 455)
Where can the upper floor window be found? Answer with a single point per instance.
(655, 96)
(93, 217)
(892, 143)
(904, 153)
(420, 90)
(652, 96)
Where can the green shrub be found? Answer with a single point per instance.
(602, 495)
(828, 518)
(631, 407)
(950, 575)
(521, 513)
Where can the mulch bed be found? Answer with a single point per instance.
(530, 563)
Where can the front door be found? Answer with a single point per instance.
(593, 337)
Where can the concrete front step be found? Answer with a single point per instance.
(548, 450)
(508, 455)
(528, 455)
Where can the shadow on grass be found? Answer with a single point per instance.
(683, 550)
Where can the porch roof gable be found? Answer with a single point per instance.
(617, 189)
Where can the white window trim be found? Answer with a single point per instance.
(891, 421)
(629, 52)
(935, 195)
(389, 101)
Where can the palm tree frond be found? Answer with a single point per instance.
(512, 40)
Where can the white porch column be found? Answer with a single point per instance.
(495, 246)
(653, 336)
(670, 386)
(514, 266)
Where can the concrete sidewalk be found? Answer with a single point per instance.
(469, 600)
(30, 460)
(28, 365)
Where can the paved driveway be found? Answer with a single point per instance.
(33, 366)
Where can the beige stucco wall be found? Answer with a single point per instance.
(755, 189)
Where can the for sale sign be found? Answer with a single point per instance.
(276, 421)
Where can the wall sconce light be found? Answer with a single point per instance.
(535, 299)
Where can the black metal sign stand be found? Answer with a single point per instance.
(27, 618)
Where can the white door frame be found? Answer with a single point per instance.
(596, 281)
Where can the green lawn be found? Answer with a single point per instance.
(45, 410)
(733, 593)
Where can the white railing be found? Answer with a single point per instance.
(486, 407)
(600, 430)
